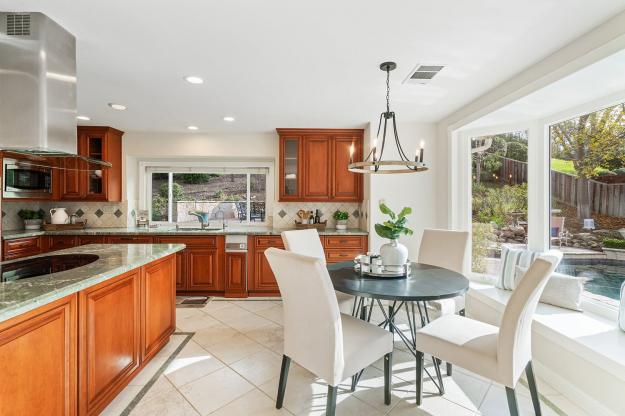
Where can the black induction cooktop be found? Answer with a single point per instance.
(44, 265)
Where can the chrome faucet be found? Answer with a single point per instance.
(202, 217)
(223, 218)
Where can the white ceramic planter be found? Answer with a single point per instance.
(341, 225)
(32, 224)
(394, 253)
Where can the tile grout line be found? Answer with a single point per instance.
(133, 403)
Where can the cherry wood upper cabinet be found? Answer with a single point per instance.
(313, 165)
(101, 143)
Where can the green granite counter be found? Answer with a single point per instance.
(233, 230)
(18, 297)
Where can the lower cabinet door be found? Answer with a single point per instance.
(109, 344)
(236, 271)
(40, 376)
(204, 270)
(264, 280)
(159, 305)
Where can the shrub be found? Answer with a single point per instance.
(619, 171)
(614, 243)
(177, 191)
(195, 178)
(482, 238)
(602, 172)
(494, 204)
(517, 151)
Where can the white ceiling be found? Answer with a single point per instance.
(286, 63)
(603, 81)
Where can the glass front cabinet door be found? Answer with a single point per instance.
(290, 181)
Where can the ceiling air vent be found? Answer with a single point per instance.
(18, 25)
(422, 74)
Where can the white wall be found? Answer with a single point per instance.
(261, 146)
(415, 190)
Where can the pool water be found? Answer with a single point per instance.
(604, 277)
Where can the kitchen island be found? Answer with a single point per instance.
(71, 341)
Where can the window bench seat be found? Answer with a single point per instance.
(580, 353)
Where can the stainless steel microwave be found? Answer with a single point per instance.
(26, 179)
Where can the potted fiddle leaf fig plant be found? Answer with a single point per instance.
(341, 219)
(32, 219)
(394, 254)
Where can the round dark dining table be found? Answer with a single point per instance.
(424, 283)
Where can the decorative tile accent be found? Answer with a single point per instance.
(79, 213)
(133, 213)
(356, 213)
(282, 213)
(99, 213)
(118, 213)
(4, 214)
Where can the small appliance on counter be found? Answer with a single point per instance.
(143, 218)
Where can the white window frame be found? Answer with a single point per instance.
(147, 167)
(539, 173)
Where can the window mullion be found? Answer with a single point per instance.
(170, 196)
(248, 200)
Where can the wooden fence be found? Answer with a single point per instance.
(606, 198)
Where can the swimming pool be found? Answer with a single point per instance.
(605, 277)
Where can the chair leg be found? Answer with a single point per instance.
(354, 382)
(284, 374)
(512, 402)
(388, 377)
(449, 369)
(331, 403)
(419, 381)
(531, 382)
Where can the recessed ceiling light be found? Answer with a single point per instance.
(192, 79)
(192, 127)
(118, 107)
(229, 119)
(84, 118)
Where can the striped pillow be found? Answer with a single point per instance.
(510, 259)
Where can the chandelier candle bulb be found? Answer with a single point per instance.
(421, 151)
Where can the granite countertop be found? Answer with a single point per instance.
(20, 296)
(233, 230)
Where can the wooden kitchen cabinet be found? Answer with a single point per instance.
(100, 143)
(339, 248)
(313, 165)
(200, 266)
(129, 239)
(40, 378)
(22, 247)
(59, 242)
(236, 275)
(158, 315)
(81, 240)
(110, 339)
(260, 279)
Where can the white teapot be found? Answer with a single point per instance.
(59, 216)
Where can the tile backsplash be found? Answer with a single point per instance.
(285, 213)
(97, 214)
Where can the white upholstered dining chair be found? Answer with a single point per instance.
(450, 250)
(498, 353)
(308, 243)
(326, 342)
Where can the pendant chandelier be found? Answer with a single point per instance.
(374, 162)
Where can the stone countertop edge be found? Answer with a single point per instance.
(13, 234)
(31, 293)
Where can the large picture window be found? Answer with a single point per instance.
(230, 194)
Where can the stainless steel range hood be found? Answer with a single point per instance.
(38, 84)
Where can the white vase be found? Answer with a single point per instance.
(394, 254)
(341, 225)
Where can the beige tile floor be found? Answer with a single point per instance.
(231, 365)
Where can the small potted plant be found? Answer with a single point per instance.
(32, 219)
(341, 219)
(393, 254)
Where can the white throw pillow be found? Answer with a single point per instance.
(561, 290)
(510, 259)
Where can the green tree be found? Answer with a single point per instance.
(517, 151)
(595, 140)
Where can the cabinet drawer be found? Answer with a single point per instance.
(340, 241)
(21, 247)
(129, 239)
(208, 242)
(268, 241)
(335, 256)
(90, 239)
(58, 242)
